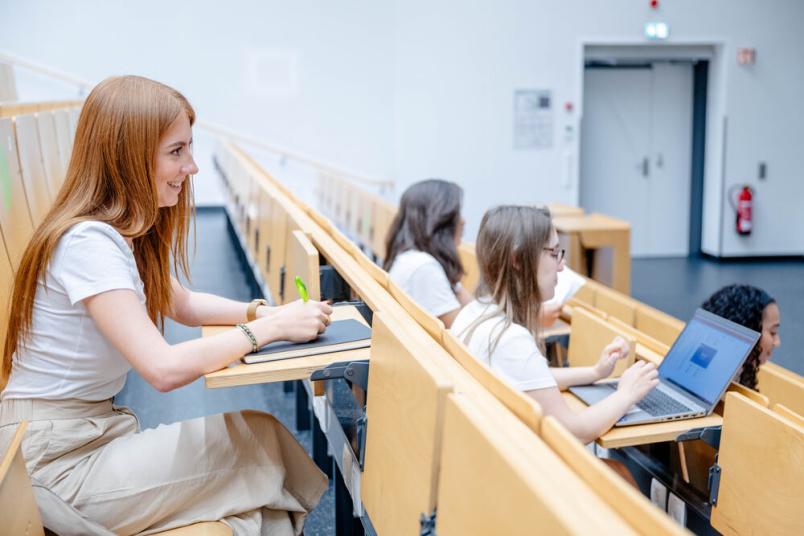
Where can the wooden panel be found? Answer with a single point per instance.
(521, 405)
(641, 338)
(643, 516)
(20, 512)
(375, 271)
(778, 369)
(559, 210)
(789, 414)
(586, 294)
(498, 477)
(590, 334)
(302, 261)
(403, 444)
(51, 158)
(277, 241)
(762, 472)
(657, 324)
(432, 325)
(781, 388)
(15, 219)
(252, 214)
(32, 168)
(263, 234)
(6, 284)
(616, 305)
(384, 213)
(64, 135)
(471, 277)
(750, 394)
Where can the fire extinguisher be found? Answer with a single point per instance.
(743, 207)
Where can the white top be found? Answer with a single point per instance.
(424, 279)
(516, 357)
(66, 356)
(567, 285)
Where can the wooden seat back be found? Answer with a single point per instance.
(590, 334)
(15, 218)
(761, 462)
(781, 386)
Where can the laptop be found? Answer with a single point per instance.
(692, 377)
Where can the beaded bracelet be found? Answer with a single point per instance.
(247, 332)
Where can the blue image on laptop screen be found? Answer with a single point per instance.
(706, 355)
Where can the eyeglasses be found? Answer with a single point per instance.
(557, 253)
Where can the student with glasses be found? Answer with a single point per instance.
(519, 260)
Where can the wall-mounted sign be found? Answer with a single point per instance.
(533, 119)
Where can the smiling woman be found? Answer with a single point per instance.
(174, 161)
(93, 284)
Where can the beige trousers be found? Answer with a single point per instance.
(244, 468)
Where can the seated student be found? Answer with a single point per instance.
(93, 285)
(755, 309)
(422, 246)
(519, 260)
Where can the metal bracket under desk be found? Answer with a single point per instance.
(340, 447)
(709, 435)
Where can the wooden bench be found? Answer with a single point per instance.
(498, 477)
(590, 334)
(761, 463)
(781, 386)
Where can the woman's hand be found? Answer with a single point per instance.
(640, 378)
(616, 350)
(549, 314)
(300, 322)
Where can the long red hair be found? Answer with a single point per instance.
(111, 179)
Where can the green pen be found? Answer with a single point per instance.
(302, 289)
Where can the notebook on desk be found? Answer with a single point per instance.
(341, 335)
(692, 377)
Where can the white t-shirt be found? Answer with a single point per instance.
(66, 356)
(424, 279)
(516, 357)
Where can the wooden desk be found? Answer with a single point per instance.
(298, 368)
(595, 231)
(629, 436)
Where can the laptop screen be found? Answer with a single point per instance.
(707, 354)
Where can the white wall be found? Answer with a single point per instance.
(336, 107)
(457, 66)
(414, 89)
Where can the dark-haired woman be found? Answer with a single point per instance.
(422, 246)
(755, 309)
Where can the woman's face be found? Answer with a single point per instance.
(770, 332)
(550, 263)
(174, 161)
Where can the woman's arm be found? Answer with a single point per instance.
(596, 419)
(124, 322)
(569, 376)
(202, 309)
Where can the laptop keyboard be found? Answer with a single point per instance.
(658, 403)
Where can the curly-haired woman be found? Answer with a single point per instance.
(755, 309)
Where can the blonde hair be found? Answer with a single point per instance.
(110, 179)
(509, 246)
